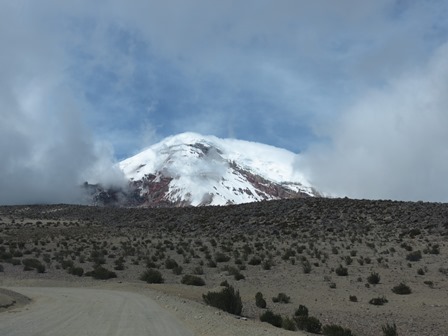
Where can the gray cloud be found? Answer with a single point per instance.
(75, 74)
(45, 148)
(391, 143)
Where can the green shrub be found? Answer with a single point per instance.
(373, 278)
(271, 318)
(301, 311)
(228, 300)
(254, 261)
(31, 263)
(414, 256)
(289, 324)
(192, 280)
(341, 271)
(260, 302)
(306, 266)
(308, 323)
(379, 301)
(353, 298)
(336, 330)
(221, 257)
(101, 273)
(178, 270)
(170, 263)
(282, 298)
(152, 276)
(402, 289)
(389, 330)
(79, 271)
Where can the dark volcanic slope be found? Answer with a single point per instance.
(310, 213)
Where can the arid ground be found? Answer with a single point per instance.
(358, 264)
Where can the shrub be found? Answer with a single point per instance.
(254, 261)
(221, 257)
(289, 324)
(421, 271)
(306, 266)
(402, 289)
(1, 268)
(192, 280)
(389, 330)
(228, 300)
(170, 263)
(79, 271)
(353, 298)
(101, 273)
(178, 270)
(414, 256)
(152, 276)
(341, 271)
(373, 278)
(336, 330)
(30, 264)
(282, 298)
(301, 311)
(271, 318)
(308, 323)
(260, 302)
(379, 301)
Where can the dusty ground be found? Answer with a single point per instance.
(363, 237)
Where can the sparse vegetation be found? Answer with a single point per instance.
(402, 289)
(228, 300)
(192, 280)
(389, 330)
(152, 276)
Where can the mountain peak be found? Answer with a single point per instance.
(193, 169)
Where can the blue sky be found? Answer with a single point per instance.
(87, 83)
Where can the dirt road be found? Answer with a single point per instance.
(83, 311)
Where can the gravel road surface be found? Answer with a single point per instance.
(85, 312)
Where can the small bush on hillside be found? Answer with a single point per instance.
(271, 318)
(301, 311)
(373, 278)
(30, 264)
(228, 300)
(389, 330)
(306, 267)
(341, 271)
(402, 289)
(254, 261)
(260, 302)
(79, 271)
(152, 276)
(1, 268)
(289, 324)
(336, 330)
(379, 301)
(353, 298)
(101, 273)
(308, 323)
(178, 270)
(414, 256)
(282, 298)
(170, 263)
(192, 280)
(221, 257)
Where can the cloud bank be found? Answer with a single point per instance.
(392, 143)
(46, 150)
(356, 85)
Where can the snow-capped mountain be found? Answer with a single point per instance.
(192, 169)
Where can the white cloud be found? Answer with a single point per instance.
(392, 142)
